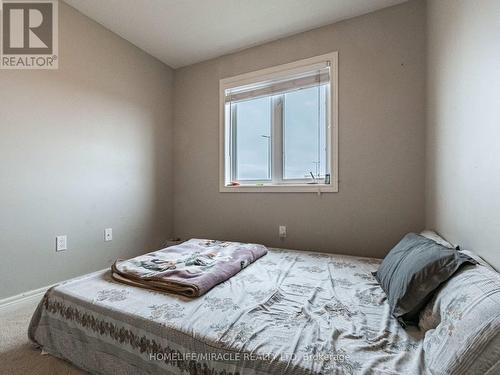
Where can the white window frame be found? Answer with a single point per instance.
(332, 129)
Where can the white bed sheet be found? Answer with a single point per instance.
(291, 312)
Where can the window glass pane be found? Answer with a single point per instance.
(304, 133)
(253, 139)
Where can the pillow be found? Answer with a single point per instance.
(462, 324)
(412, 270)
(478, 259)
(430, 234)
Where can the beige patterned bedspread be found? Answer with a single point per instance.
(291, 312)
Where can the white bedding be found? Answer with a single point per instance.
(290, 312)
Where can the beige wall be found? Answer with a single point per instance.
(83, 148)
(382, 151)
(463, 137)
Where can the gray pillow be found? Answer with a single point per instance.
(412, 271)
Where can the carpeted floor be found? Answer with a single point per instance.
(17, 354)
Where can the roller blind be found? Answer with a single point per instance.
(315, 76)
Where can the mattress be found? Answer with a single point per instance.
(291, 312)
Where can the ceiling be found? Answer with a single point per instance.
(183, 32)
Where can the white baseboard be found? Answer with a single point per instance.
(32, 294)
(37, 293)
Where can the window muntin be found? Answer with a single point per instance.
(302, 139)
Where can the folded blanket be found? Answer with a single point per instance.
(191, 268)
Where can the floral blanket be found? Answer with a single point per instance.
(191, 268)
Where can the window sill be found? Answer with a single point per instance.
(288, 188)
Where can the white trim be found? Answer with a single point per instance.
(285, 188)
(23, 296)
(334, 122)
(333, 132)
(40, 291)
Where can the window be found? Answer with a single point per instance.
(279, 128)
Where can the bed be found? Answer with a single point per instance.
(291, 312)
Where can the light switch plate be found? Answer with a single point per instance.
(61, 243)
(282, 231)
(108, 234)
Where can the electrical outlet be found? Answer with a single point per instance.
(61, 243)
(108, 234)
(282, 231)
